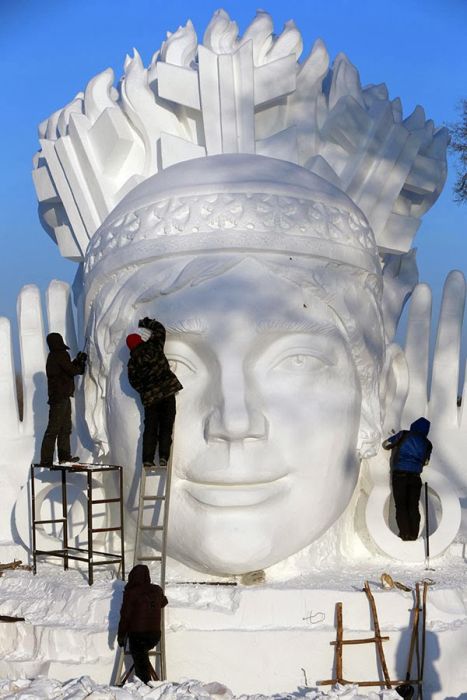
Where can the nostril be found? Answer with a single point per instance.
(219, 426)
(259, 426)
(212, 425)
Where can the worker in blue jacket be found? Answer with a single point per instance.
(411, 451)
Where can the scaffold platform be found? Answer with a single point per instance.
(89, 555)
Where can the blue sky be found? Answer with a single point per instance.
(50, 49)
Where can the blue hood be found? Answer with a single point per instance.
(421, 425)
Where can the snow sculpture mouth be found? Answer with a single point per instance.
(236, 495)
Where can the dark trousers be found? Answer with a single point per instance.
(406, 489)
(159, 419)
(58, 431)
(140, 643)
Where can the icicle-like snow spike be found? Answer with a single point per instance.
(180, 48)
(51, 131)
(437, 148)
(260, 32)
(345, 81)
(416, 120)
(288, 42)
(221, 33)
(314, 67)
(97, 94)
(74, 107)
(396, 106)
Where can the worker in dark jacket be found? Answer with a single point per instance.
(61, 372)
(140, 618)
(411, 451)
(149, 373)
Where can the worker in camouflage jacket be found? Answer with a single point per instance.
(149, 373)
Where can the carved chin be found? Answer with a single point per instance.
(236, 550)
(236, 540)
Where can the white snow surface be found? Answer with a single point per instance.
(70, 632)
(79, 688)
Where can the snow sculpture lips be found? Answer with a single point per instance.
(234, 495)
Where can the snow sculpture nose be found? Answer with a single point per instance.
(235, 418)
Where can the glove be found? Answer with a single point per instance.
(82, 357)
(145, 322)
(121, 641)
(145, 334)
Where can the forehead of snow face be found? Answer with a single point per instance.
(231, 202)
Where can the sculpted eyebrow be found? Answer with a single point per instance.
(188, 325)
(305, 326)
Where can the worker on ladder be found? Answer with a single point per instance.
(140, 619)
(149, 373)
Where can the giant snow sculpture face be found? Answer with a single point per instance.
(267, 421)
(277, 367)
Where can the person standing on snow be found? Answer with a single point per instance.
(411, 451)
(140, 618)
(61, 372)
(149, 373)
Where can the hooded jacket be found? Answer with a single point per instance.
(148, 368)
(60, 369)
(411, 449)
(142, 604)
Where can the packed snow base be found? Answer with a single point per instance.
(85, 687)
(259, 639)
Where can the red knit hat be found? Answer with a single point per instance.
(133, 340)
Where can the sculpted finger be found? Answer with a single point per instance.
(463, 408)
(60, 313)
(444, 385)
(8, 397)
(33, 357)
(417, 353)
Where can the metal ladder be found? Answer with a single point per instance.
(159, 522)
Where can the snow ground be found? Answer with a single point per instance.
(85, 687)
(72, 626)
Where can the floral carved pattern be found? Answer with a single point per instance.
(223, 213)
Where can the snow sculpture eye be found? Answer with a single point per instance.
(182, 367)
(300, 362)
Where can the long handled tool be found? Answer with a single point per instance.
(406, 690)
(427, 531)
(422, 659)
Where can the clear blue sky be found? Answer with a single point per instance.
(49, 50)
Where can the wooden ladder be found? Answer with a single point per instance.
(157, 480)
(377, 640)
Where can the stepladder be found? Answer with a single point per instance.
(151, 549)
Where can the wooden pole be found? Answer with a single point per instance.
(378, 642)
(422, 662)
(413, 637)
(339, 636)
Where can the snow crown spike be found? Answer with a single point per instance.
(93, 152)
